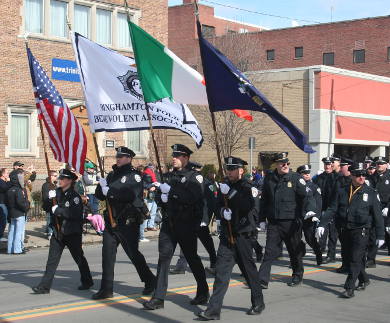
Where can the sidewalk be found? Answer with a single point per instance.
(35, 232)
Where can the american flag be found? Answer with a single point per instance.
(66, 136)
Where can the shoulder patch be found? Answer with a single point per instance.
(123, 179)
(137, 178)
(67, 204)
(211, 187)
(255, 191)
(302, 181)
(76, 200)
(199, 178)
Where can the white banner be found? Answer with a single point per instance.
(114, 97)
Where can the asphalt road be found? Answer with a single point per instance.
(317, 300)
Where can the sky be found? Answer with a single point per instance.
(297, 10)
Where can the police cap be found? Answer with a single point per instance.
(335, 158)
(180, 150)
(66, 173)
(346, 161)
(368, 160)
(327, 160)
(123, 151)
(304, 169)
(18, 163)
(357, 169)
(380, 160)
(232, 163)
(281, 157)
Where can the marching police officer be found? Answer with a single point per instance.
(183, 206)
(355, 208)
(123, 191)
(238, 204)
(282, 201)
(311, 219)
(66, 220)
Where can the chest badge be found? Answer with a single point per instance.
(76, 200)
(67, 204)
(255, 191)
(199, 178)
(123, 179)
(183, 180)
(365, 197)
(289, 184)
(387, 182)
(137, 178)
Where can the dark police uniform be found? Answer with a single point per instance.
(69, 216)
(242, 200)
(183, 213)
(281, 204)
(125, 197)
(355, 210)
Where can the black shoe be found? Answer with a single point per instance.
(259, 257)
(263, 285)
(342, 270)
(319, 259)
(40, 290)
(210, 270)
(85, 287)
(295, 281)
(150, 287)
(348, 293)
(204, 316)
(329, 260)
(177, 272)
(363, 285)
(153, 304)
(200, 299)
(370, 264)
(102, 294)
(256, 310)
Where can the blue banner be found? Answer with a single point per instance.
(64, 70)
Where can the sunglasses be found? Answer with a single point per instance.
(285, 164)
(359, 174)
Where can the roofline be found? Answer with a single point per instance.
(242, 23)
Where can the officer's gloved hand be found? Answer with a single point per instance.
(157, 184)
(203, 224)
(320, 232)
(227, 214)
(52, 194)
(379, 243)
(105, 190)
(164, 198)
(263, 226)
(388, 230)
(224, 188)
(385, 211)
(165, 188)
(102, 182)
(54, 208)
(309, 215)
(315, 219)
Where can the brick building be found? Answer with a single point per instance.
(45, 24)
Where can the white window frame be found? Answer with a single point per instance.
(43, 19)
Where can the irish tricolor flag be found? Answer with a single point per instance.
(162, 73)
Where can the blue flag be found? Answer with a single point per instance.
(227, 89)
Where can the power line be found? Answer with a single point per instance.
(260, 13)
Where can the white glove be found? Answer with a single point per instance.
(379, 243)
(309, 215)
(224, 188)
(165, 188)
(203, 224)
(164, 198)
(105, 190)
(388, 230)
(52, 194)
(102, 182)
(315, 219)
(320, 232)
(157, 184)
(385, 211)
(263, 226)
(218, 222)
(227, 214)
(54, 208)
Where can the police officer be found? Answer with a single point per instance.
(66, 221)
(356, 208)
(123, 191)
(311, 218)
(183, 205)
(238, 204)
(282, 201)
(380, 180)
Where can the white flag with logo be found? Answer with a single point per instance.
(114, 98)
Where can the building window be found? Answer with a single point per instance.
(359, 56)
(208, 31)
(298, 52)
(82, 18)
(134, 141)
(270, 54)
(58, 12)
(103, 26)
(20, 132)
(328, 59)
(231, 32)
(388, 53)
(243, 31)
(123, 31)
(33, 16)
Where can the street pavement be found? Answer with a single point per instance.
(317, 300)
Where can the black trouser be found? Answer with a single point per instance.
(128, 237)
(256, 245)
(355, 244)
(73, 242)
(332, 240)
(240, 253)
(288, 231)
(184, 233)
(308, 228)
(372, 248)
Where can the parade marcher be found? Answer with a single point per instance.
(282, 201)
(67, 220)
(123, 191)
(182, 200)
(238, 204)
(355, 208)
(50, 181)
(311, 220)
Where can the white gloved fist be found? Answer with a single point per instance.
(165, 188)
(263, 226)
(227, 214)
(105, 190)
(203, 224)
(52, 194)
(385, 211)
(320, 232)
(164, 198)
(224, 188)
(102, 182)
(315, 219)
(380, 243)
(54, 208)
(309, 215)
(388, 230)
